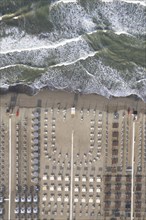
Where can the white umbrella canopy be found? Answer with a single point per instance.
(36, 121)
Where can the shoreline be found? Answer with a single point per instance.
(30, 91)
(55, 98)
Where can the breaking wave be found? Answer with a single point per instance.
(76, 45)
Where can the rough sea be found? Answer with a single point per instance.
(86, 46)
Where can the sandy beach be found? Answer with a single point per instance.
(74, 158)
(46, 98)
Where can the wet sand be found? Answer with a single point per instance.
(46, 98)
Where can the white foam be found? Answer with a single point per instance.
(91, 54)
(20, 65)
(5, 67)
(141, 2)
(136, 2)
(66, 1)
(4, 85)
(89, 74)
(49, 46)
(15, 18)
(122, 32)
(43, 44)
(107, 0)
